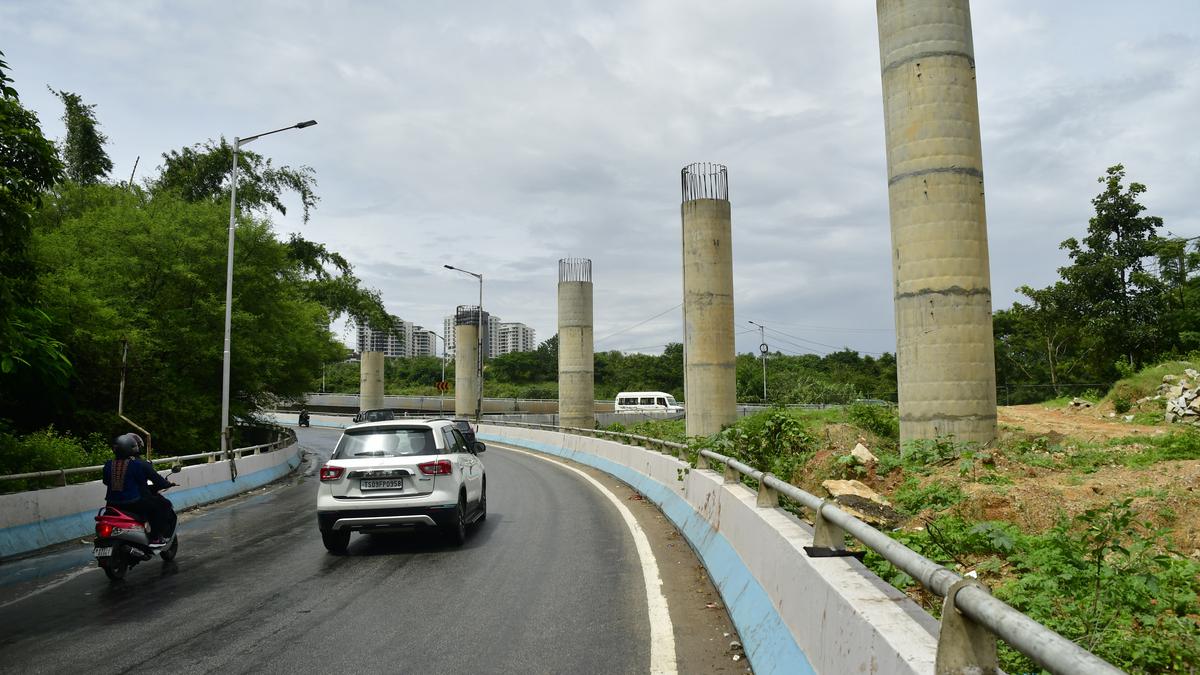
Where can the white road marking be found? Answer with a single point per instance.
(53, 584)
(662, 632)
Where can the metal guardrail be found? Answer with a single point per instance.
(972, 618)
(237, 453)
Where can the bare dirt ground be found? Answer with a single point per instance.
(1166, 493)
(1086, 424)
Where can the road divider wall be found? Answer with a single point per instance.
(794, 614)
(38, 518)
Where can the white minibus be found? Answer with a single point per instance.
(646, 401)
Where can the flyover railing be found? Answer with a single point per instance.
(286, 438)
(972, 618)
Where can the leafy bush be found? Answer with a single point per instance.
(47, 450)
(1121, 404)
(774, 441)
(1102, 580)
(913, 498)
(883, 421)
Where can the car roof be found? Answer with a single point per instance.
(399, 423)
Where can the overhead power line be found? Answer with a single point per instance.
(625, 330)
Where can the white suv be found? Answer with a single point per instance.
(402, 473)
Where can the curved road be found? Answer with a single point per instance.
(550, 583)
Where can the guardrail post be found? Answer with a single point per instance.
(730, 474)
(212, 458)
(701, 461)
(963, 645)
(826, 535)
(62, 477)
(768, 497)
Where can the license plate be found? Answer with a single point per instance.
(102, 551)
(382, 484)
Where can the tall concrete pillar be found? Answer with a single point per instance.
(576, 366)
(466, 360)
(708, 353)
(370, 383)
(944, 350)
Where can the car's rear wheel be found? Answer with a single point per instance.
(335, 542)
(456, 530)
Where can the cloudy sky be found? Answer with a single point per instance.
(502, 136)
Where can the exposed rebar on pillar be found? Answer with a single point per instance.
(708, 352)
(370, 384)
(466, 360)
(576, 368)
(944, 351)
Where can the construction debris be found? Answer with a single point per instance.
(1183, 397)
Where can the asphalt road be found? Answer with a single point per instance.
(550, 583)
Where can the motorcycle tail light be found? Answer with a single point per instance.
(441, 467)
(329, 473)
(103, 530)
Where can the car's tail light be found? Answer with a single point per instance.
(441, 467)
(331, 472)
(103, 530)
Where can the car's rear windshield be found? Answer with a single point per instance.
(393, 442)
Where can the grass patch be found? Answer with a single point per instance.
(1146, 381)
(912, 497)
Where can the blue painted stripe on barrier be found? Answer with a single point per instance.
(32, 536)
(768, 643)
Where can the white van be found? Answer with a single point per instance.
(646, 401)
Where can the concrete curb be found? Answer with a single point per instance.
(39, 518)
(794, 614)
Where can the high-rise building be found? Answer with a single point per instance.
(424, 342)
(405, 340)
(516, 337)
(391, 343)
(498, 337)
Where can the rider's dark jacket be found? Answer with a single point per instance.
(126, 480)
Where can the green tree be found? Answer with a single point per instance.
(83, 149)
(1108, 270)
(149, 270)
(29, 354)
(202, 173)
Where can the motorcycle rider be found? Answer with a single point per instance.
(303, 417)
(126, 477)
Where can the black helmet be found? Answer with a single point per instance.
(127, 445)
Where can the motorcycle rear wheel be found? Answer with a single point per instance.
(168, 554)
(116, 567)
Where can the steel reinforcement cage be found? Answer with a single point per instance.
(466, 315)
(704, 180)
(575, 269)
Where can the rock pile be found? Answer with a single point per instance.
(1183, 396)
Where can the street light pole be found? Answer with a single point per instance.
(237, 144)
(762, 350)
(479, 357)
(441, 392)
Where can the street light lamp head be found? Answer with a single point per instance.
(449, 267)
(309, 123)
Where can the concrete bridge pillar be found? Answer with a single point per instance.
(466, 360)
(370, 385)
(709, 378)
(576, 366)
(944, 349)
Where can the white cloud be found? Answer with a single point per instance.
(502, 136)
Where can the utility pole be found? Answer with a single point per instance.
(762, 350)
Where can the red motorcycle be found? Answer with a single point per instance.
(123, 540)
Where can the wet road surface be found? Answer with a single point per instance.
(550, 583)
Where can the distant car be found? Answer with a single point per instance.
(377, 415)
(465, 427)
(399, 474)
